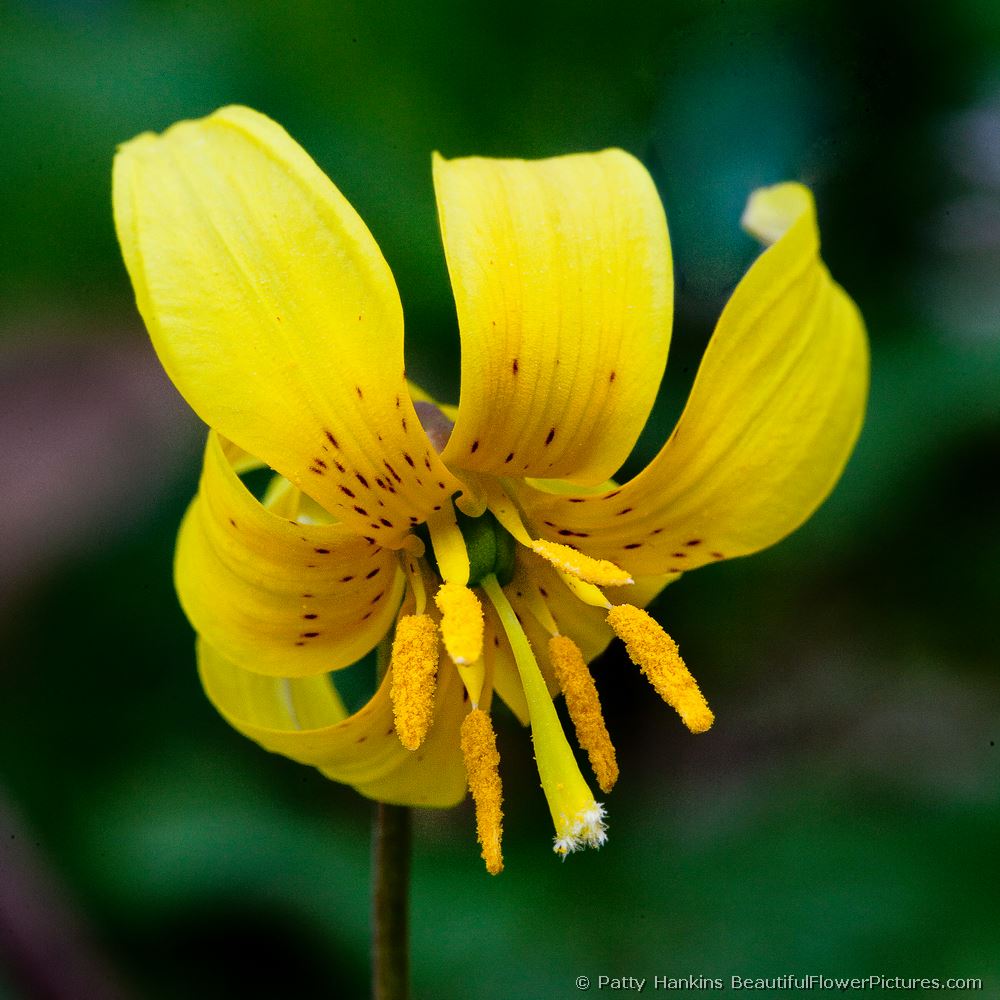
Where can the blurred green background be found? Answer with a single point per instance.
(843, 818)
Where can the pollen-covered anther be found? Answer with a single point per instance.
(657, 655)
(482, 767)
(601, 572)
(414, 678)
(584, 707)
(461, 622)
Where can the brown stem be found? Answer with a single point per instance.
(390, 902)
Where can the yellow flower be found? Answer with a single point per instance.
(277, 318)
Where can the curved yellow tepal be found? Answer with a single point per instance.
(562, 277)
(772, 211)
(303, 719)
(771, 420)
(273, 595)
(275, 314)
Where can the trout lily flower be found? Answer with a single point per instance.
(485, 544)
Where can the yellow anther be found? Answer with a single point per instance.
(482, 766)
(461, 622)
(656, 653)
(414, 677)
(585, 592)
(599, 571)
(584, 709)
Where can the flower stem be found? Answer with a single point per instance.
(390, 902)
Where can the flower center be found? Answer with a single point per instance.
(491, 549)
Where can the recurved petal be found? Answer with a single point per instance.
(770, 423)
(274, 595)
(303, 718)
(276, 316)
(562, 277)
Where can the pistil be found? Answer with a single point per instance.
(578, 818)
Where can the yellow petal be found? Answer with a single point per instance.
(301, 719)
(562, 278)
(773, 416)
(275, 314)
(274, 595)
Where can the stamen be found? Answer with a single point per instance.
(578, 819)
(482, 764)
(585, 592)
(584, 707)
(657, 655)
(598, 571)
(414, 678)
(461, 622)
(449, 546)
(473, 676)
(416, 578)
(505, 511)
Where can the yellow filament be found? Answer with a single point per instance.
(505, 511)
(417, 588)
(657, 655)
(461, 622)
(482, 766)
(598, 571)
(414, 678)
(474, 677)
(584, 709)
(449, 546)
